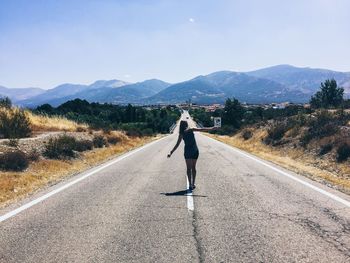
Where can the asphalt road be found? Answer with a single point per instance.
(138, 210)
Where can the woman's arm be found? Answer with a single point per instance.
(205, 129)
(176, 145)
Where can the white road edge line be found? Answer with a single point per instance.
(315, 188)
(46, 196)
(190, 204)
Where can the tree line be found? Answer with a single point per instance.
(136, 120)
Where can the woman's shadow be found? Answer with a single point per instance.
(183, 193)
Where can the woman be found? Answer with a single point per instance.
(191, 150)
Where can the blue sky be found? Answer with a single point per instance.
(44, 43)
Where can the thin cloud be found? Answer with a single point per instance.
(191, 20)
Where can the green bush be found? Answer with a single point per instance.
(14, 161)
(326, 148)
(247, 134)
(14, 123)
(61, 147)
(343, 152)
(99, 141)
(66, 146)
(83, 145)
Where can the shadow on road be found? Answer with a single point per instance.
(182, 193)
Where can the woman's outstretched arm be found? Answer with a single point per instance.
(176, 145)
(204, 129)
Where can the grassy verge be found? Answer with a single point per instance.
(322, 170)
(17, 185)
(53, 123)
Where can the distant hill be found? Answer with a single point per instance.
(216, 87)
(136, 93)
(273, 84)
(69, 91)
(20, 94)
(101, 91)
(305, 80)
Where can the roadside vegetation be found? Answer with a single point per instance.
(135, 120)
(311, 139)
(43, 146)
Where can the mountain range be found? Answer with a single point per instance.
(273, 84)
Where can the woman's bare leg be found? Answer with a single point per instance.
(194, 171)
(189, 168)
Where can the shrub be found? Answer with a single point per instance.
(134, 133)
(326, 148)
(343, 152)
(322, 125)
(99, 141)
(61, 147)
(33, 156)
(247, 134)
(13, 142)
(14, 161)
(147, 132)
(14, 123)
(83, 145)
(113, 139)
(276, 132)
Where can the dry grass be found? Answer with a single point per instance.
(41, 123)
(295, 159)
(16, 185)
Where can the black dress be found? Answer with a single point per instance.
(191, 149)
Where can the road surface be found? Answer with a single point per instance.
(137, 209)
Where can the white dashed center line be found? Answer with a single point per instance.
(190, 204)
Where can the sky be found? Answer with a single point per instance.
(44, 43)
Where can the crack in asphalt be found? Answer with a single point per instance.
(198, 242)
(333, 237)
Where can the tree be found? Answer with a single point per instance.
(330, 95)
(5, 102)
(45, 108)
(233, 113)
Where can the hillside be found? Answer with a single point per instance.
(216, 87)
